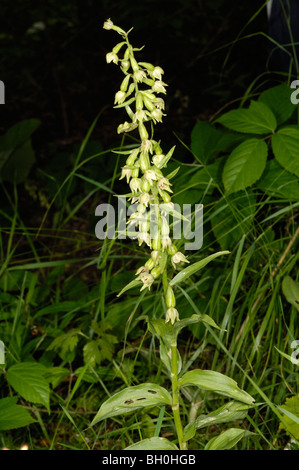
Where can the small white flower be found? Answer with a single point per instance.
(111, 57)
(126, 173)
(164, 185)
(145, 199)
(108, 24)
(177, 258)
(139, 75)
(140, 115)
(158, 87)
(157, 159)
(165, 242)
(157, 115)
(144, 237)
(172, 315)
(147, 280)
(135, 185)
(150, 176)
(160, 103)
(147, 146)
(120, 97)
(157, 73)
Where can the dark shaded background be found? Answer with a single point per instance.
(60, 76)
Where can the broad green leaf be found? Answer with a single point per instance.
(244, 165)
(290, 409)
(13, 416)
(131, 399)
(227, 439)
(219, 383)
(18, 134)
(278, 182)
(55, 375)
(278, 99)
(290, 288)
(204, 140)
(257, 119)
(231, 411)
(66, 345)
(285, 145)
(194, 268)
(153, 443)
(27, 379)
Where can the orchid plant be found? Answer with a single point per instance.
(140, 95)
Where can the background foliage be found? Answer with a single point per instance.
(70, 343)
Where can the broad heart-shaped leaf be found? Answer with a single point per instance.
(153, 443)
(194, 268)
(132, 399)
(27, 379)
(285, 145)
(18, 134)
(278, 99)
(231, 411)
(257, 119)
(227, 439)
(290, 288)
(278, 182)
(13, 416)
(245, 165)
(219, 383)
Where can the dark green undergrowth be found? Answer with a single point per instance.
(70, 343)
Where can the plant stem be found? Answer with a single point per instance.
(175, 396)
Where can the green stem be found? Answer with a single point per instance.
(176, 396)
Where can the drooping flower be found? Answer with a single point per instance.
(172, 315)
(177, 258)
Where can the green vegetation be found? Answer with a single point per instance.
(76, 351)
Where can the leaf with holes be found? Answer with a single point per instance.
(285, 145)
(132, 399)
(216, 382)
(257, 119)
(245, 165)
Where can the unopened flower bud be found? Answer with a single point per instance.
(145, 185)
(132, 157)
(157, 159)
(108, 24)
(172, 250)
(155, 256)
(155, 272)
(150, 264)
(145, 199)
(164, 227)
(125, 83)
(170, 297)
(165, 196)
(142, 131)
(144, 161)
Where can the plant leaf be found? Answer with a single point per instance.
(132, 399)
(193, 268)
(244, 165)
(285, 144)
(290, 288)
(277, 181)
(219, 383)
(27, 379)
(13, 416)
(227, 439)
(278, 99)
(153, 443)
(257, 119)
